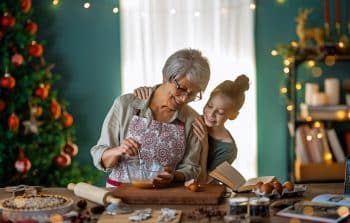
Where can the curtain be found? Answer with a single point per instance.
(222, 29)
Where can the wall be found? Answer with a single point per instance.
(85, 46)
(275, 24)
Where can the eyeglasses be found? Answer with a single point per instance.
(191, 96)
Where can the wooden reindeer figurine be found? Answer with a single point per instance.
(304, 33)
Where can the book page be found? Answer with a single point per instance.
(228, 175)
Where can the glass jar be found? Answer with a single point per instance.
(237, 209)
(259, 208)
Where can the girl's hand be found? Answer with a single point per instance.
(200, 129)
(142, 92)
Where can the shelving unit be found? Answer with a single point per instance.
(313, 172)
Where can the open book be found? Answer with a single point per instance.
(228, 175)
(315, 211)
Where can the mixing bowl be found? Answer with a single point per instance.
(141, 173)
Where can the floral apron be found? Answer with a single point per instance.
(162, 142)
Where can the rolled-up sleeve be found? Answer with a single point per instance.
(109, 136)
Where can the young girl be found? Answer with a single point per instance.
(224, 104)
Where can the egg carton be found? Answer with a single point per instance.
(297, 192)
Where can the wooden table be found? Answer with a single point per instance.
(312, 191)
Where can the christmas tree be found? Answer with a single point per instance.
(36, 129)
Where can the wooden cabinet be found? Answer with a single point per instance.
(294, 57)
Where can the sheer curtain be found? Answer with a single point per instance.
(222, 29)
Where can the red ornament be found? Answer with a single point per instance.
(13, 122)
(17, 59)
(71, 149)
(22, 164)
(63, 160)
(8, 81)
(2, 105)
(26, 5)
(35, 50)
(7, 21)
(42, 91)
(67, 119)
(55, 109)
(31, 27)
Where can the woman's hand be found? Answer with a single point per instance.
(200, 129)
(165, 178)
(129, 147)
(142, 92)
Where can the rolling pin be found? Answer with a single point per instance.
(93, 193)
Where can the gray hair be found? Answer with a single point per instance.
(189, 63)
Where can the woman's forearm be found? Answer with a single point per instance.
(110, 157)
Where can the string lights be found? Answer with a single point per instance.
(86, 5)
(172, 11)
(55, 2)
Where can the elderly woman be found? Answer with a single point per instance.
(158, 128)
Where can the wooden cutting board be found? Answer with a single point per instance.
(124, 218)
(209, 194)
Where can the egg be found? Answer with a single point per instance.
(258, 185)
(267, 188)
(278, 186)
(288, 185)
(193, 187)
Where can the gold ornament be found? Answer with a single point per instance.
(304, 33)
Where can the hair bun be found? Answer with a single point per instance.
(242, 82)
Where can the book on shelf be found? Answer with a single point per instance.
(316, 212)
(232, 178)
(301, 144)
(309, 146)
(327, 154)
(335, 145)
(315, 146)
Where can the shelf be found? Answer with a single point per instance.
(303, 120)
(295, 56)
(319, 172)
(315, 53)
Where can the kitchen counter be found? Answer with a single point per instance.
(312, 191)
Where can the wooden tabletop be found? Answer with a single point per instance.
(312, 191)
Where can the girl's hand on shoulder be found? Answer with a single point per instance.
(200, 129)
(142, 92)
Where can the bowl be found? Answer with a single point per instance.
(141, 173)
